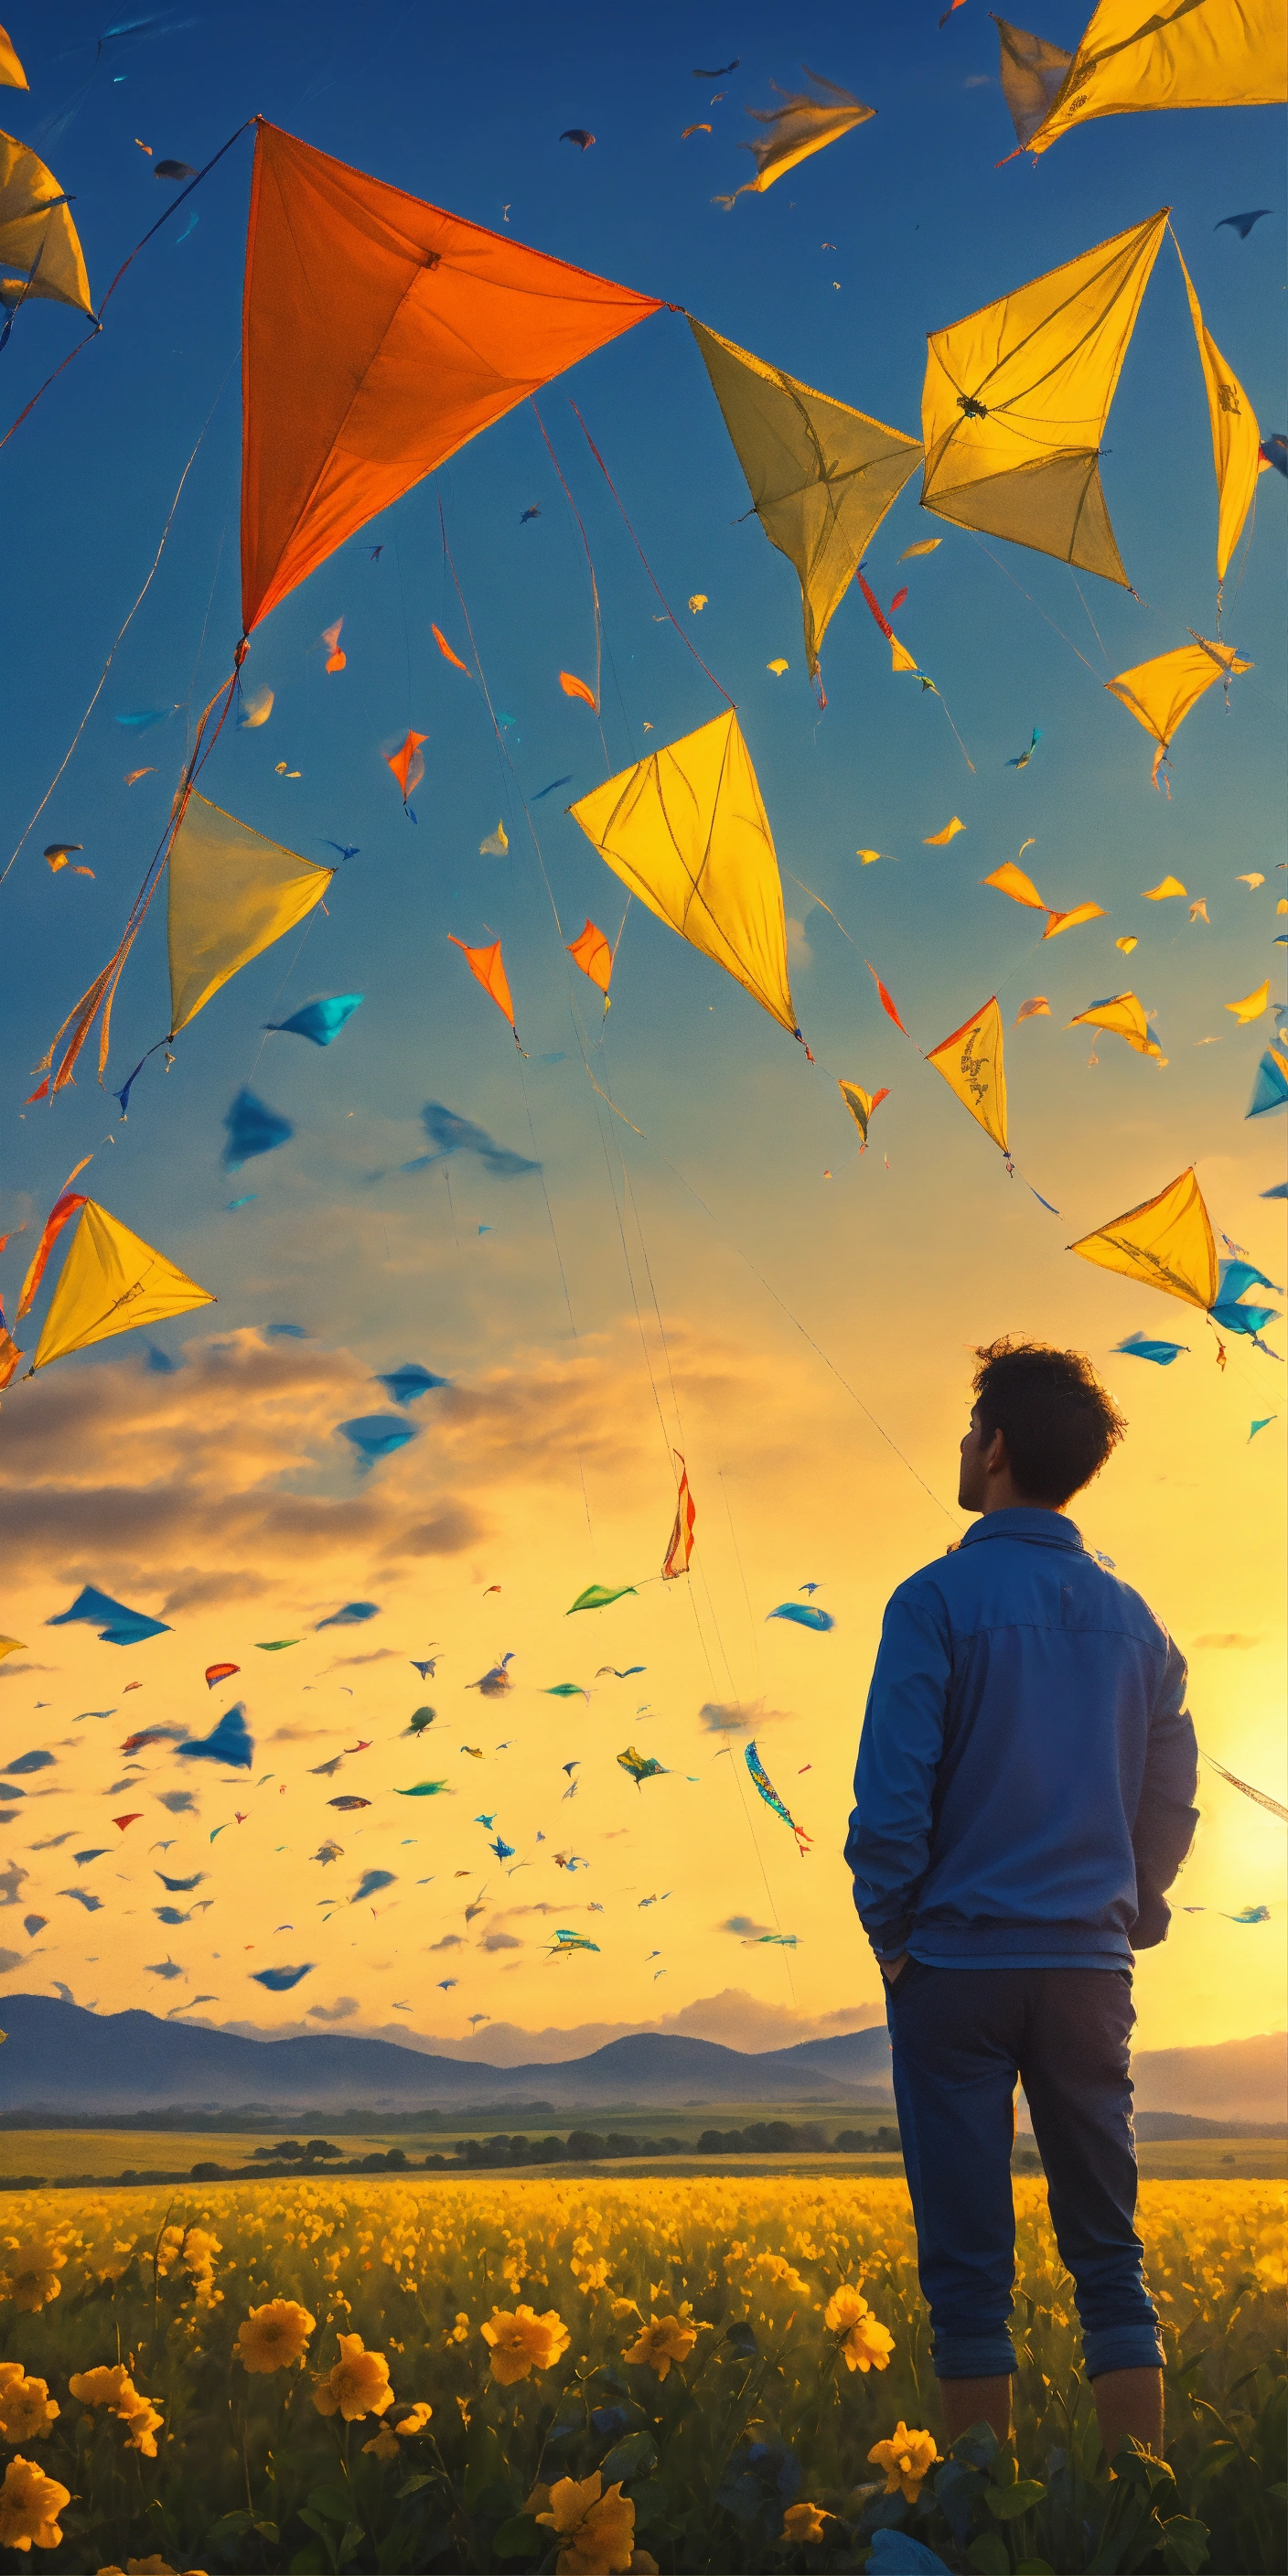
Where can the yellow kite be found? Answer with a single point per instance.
(1165, 1244)
(232, 893)
(1161, 693)
(40, 252)
(861, 1104)
(821, 476)
(111, 1281)
(1236, 439)
(1008, 879)
(1124, 1017)
(800, 126)
(1186, 53)
(12, 75)
(687, 832)
(971, 1064)
(1016, 397)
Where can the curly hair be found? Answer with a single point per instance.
(1058, 1423)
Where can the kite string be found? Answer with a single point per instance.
(93, 333)
(594, 586)
(133, 612)
(685, 639)
(502, 745)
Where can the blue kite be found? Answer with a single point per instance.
(377, 1435)
(116, 1625)
(803, 1615)
(1138, 1346)
(231, 1744)
(279, 1981)
(351, 1616)
(321, 1021)
(405, 1385)
(1270, 1090)
(253, 1128)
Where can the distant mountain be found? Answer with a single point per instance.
(59, 2058)
(1241, 2079)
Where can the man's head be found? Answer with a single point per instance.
(1041, 1428)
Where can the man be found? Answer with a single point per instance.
(1024, 1798)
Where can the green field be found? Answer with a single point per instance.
(105, 2155)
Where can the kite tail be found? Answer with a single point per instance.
(102, 992)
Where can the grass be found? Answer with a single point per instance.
(103, 2155)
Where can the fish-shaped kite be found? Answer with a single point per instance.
(770, 1795)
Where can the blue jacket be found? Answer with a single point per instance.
(1027, 1766)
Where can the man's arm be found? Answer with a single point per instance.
(1166, 1817)
(900, 1749)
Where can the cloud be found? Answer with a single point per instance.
(979, 80)
(10, 1672)
(721, 1716)
(799, 951)
(196, 1591)
(378, 1655)
(450, 1941)
(10, 1884)
(743, 1923)
(501, 1941)
(10, 1959)
(1218, 1641)
(343, 2009)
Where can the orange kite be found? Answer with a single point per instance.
(486, 966)
(379, 335)
(590, 951)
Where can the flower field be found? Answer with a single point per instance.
(595, 2375)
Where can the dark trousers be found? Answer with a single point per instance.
(960, 2039)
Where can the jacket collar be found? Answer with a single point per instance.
(1050, 1529)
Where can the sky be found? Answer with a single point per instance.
(701, 1260)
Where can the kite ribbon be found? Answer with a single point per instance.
(1259, 1796)
(64, 1206)
(102, 991)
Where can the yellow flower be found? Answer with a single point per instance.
(357, 2386)
(146, 2567)
(384, 2445)
(662, 2341)
(273, 2336)
(907, 2460)
(143, 2424)
(461, 2330)
(845, 2308)
(523, 2342)
(30, 2275)
(803, 2525)
(30, 2504)
(414, 2421)
(26, 2408)
(109, 2385)
(598, 2532)
(868, 2346)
